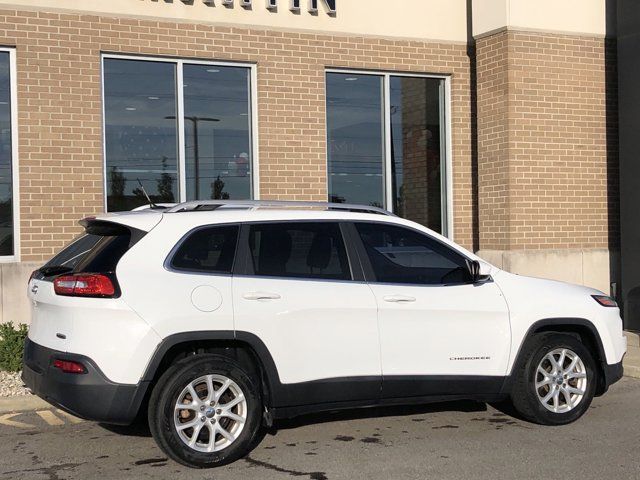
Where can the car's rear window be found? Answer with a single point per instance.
(98, 251)
(75, 252)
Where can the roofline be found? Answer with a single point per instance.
(209, 205)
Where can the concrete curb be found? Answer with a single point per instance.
(633, 339)
(22, 403)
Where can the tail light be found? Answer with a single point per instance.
(605, 300)
(84, 285)
(68, 366)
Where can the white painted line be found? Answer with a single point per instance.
(6, 420)
(22, 403)
(68, 416)
(49, 417)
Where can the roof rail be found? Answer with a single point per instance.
(208, 205)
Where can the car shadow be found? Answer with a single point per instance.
(140, 428)
(377, 412)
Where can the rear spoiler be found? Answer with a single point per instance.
(105, 228)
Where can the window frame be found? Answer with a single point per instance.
(168, 261)
(365, 262)
(181, 152)
(244, 260)
(15, 183)
(446, 177)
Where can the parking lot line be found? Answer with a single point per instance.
(68, 416)
(6, 420)
(49, 417)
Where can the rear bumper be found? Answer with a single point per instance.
(612, 373)
(91, 395)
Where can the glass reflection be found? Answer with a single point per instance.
(217, 125)
(415, 150)
(6, 187)
(141, 133)
(355, 129)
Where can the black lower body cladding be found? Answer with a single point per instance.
(90, 395)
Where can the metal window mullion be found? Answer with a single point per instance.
(388, 181)
(182, 169)
(253, 133)
(446, 175)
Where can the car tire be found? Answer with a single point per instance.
(552, 388)
(174, 428)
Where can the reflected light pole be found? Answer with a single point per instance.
(196, 145)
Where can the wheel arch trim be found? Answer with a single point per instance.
(267, 367)
(541, 325)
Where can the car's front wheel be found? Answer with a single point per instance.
(205, 411)
(555, 380)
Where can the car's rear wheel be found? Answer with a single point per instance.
(205, 411)
(555, 380)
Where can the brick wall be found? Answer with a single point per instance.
(547, 142)
(60, 111)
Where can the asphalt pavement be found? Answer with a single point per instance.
(461, 440)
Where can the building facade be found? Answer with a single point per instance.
(493, 122)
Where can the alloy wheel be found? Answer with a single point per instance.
(210, 413)
(561, 380)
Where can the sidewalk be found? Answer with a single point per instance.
(632, 358)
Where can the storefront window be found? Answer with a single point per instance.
(146, 106)
(385, 144)
(355, 125)
(415, 150)
(217, 132)
(141, 137)
(6, 159)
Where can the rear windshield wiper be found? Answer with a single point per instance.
(54, 270)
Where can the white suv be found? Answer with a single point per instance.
(217, 317)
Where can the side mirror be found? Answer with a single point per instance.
(479, 271)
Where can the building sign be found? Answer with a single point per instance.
(294, 5)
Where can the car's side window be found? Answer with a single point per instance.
(401, 255)
(208, 250)
(312, 250)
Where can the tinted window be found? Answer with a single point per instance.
(401, 255)
(210, 250)
(305, 250)
(90, 253)
(75, 252)
(105, 254)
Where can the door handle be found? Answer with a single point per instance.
(398, 298)
(261, 296)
